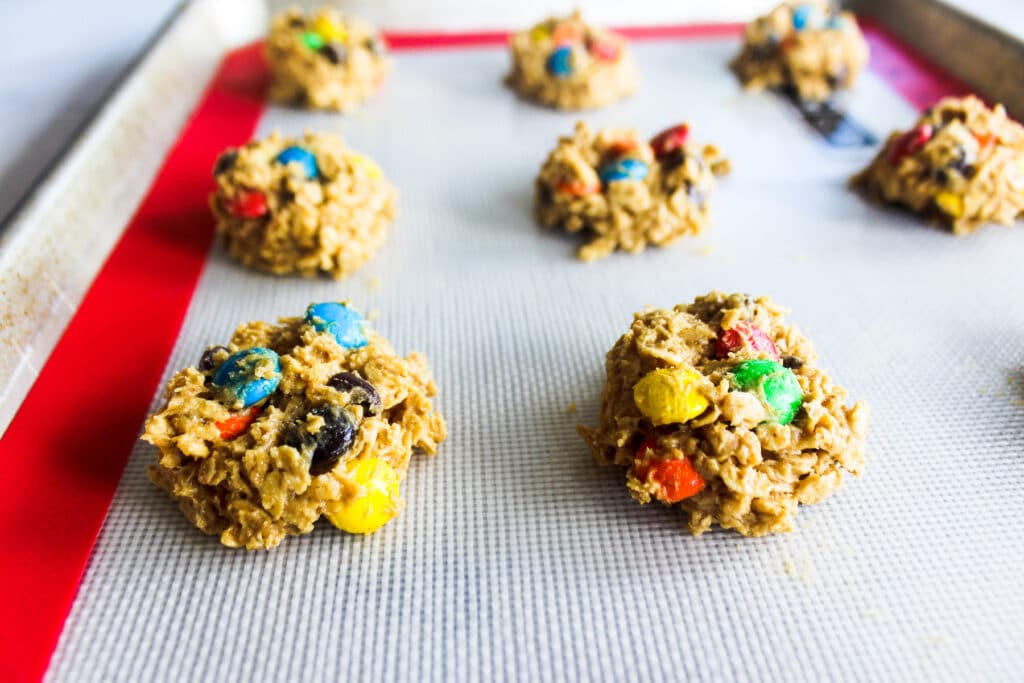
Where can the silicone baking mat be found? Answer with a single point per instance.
(516, 556)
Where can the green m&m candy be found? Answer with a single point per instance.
(774, 384)
(313, 40)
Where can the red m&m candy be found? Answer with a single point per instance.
(605, 50)
(578, 188)
(744, 334)
(668, 141)
(565, 34)
(908, 142)
(669, 481)
(248, 205)
(238, 423)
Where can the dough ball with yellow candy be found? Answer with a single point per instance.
(670, 395)
(376, 503)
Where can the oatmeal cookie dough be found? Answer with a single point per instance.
(626, 192)
(315, 416)
(961, 165)
(719, 407)
(324, 60)
(309, 206)
(804, 46)
(567, 64)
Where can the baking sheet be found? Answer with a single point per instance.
(517, 557)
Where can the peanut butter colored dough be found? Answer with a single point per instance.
(593, 68)
(255, 489)
(324, 60)
(670, 202)
(962, 165)
(330, 224)
(755, 470)
(803, 46)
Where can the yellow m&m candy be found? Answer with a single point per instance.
(376, 503)
(540, 33)
(329, 30)
(670, 395)
(952, 204)
(372, 169)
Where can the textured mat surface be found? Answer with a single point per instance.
(516, 556)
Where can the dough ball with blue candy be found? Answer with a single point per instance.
(565, 63)
(313, 416)
(308, 206)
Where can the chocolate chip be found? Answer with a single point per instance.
(296, 22)
(374, 46)
(672, 160)
(839, 76)
(362, 392)
(963, 164)
(207, 361)
(951, 116)
(329, 443)
(336, 53)
(792, 362)
(225, 162)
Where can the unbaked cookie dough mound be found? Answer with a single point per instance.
(309, 206)
(567, 64)
(718, 407)
(627, 192)
(962, 165)
(804, 46)
(315, 416)
(324, 60)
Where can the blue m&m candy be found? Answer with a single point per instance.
(341, 321)
(247, 377)
(806, 16)
(623, 169)
(560, 62)
(836, 22)
(303, 156)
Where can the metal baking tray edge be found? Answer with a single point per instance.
(61, 234)
(983, 56)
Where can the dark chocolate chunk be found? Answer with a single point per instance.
(225, 162)
(207, 362)
(327, 446)
(336, 53)
(362, 392)
(792, 362)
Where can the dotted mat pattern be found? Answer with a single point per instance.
(517, 558)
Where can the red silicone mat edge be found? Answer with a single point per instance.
(68, 444)
(67, 454)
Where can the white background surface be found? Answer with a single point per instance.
(517, 557)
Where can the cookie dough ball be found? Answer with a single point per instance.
(308, 205)
(315, 416)
(719, 408)
(962, 165)
(566, 64)
(804, 46)
(626, 192)
(324, 60)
